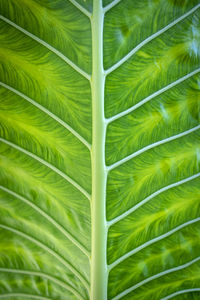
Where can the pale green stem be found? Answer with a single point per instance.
(99, 228)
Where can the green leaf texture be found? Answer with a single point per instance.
(151, 61)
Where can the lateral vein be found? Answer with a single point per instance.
(151, 146)
(180, 293)
(150, 242)
(81, 8)
(48, 250)
(159, 92)
(44, 162)
(49, 218)
(3, 296)
(150, 38)
(49, 113)
(111, 5)
(41, 274)
(134, 208)
(129, 290)
(51, 48)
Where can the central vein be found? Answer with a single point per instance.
(99, 175)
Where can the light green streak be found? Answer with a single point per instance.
(99, 228)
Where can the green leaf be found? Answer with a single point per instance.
(100, 149)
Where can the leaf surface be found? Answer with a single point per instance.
(151, 150)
